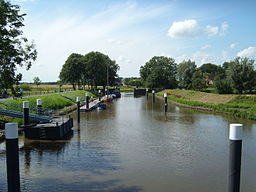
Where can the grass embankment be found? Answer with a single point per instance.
(50, 102)
(236, 105)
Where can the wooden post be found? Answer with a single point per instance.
(165, 102)
(147, 93)
(78, 109)
(153, 96)
(39, 106)
(25, 113)
(87, 101)
(12, 157)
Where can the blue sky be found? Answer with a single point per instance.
(131, 32)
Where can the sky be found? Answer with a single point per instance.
(133, 31)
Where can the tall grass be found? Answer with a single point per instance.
(240, 106)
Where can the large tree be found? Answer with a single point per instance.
(159, 72)
(99, 69)
(185, 72)
(242, 74)
(72, 69)
(15, 50)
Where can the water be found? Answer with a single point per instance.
(134, 146)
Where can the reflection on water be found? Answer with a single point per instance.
(134, 146)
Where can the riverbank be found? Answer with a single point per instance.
(54, 104)
(243, 106)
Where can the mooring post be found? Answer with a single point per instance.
(25, 113)
(235, 152)
(12, 157)
(87, 101)
(78, 109)
(153, 96)
(39, 106)
(99, 94)
(165, 102)
(147, 93)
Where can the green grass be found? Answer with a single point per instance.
(126, 89)
(50, 102)
(239, 106)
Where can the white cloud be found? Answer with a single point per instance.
(109, 31)
(249, 52)
(201, 58)
(232, 45)
(206, 46)
(216, 31)
(187, 28)
(211, 31)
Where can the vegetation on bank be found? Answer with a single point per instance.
(236, 76)
(236, 105)
(49, 102)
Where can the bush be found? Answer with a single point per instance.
(25, 87)
(223, 87)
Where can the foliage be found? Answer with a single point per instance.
(240, 106)
(37, 81)
(159, 72)
(71, 70)
(223, 86)
(133, 81)
(199, 82)
(242, 74)
(14, 48)
(25, 87)
(94, 69)
(185, 72)
(99, 69)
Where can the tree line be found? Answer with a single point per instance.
(92, 69)
(235, 76)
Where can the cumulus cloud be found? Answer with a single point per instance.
(216, 31)
(207, 46)
(187, 28)
(201, 58)
(232, 46)
(249, 52)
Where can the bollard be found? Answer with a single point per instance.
(12, 157)
(78, 109)
(153, 96)
(99, 95)
(87, 101)
(235, 152)
(165, 102)
(147, 93)
(25, 113)
(39, 106)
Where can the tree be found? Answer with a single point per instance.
(99, 69)
(242, 74)
(15, 50)
(37, 81)
(199, 82)
(72, 69)
(159, 72)
(185, 72)
(210, 71)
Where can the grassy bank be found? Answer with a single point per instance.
(50, 102)
(236, 105)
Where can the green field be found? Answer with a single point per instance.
(236, 105)
(49, 102)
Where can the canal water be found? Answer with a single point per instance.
(134, 146)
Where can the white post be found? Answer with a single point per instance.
(235, 153)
